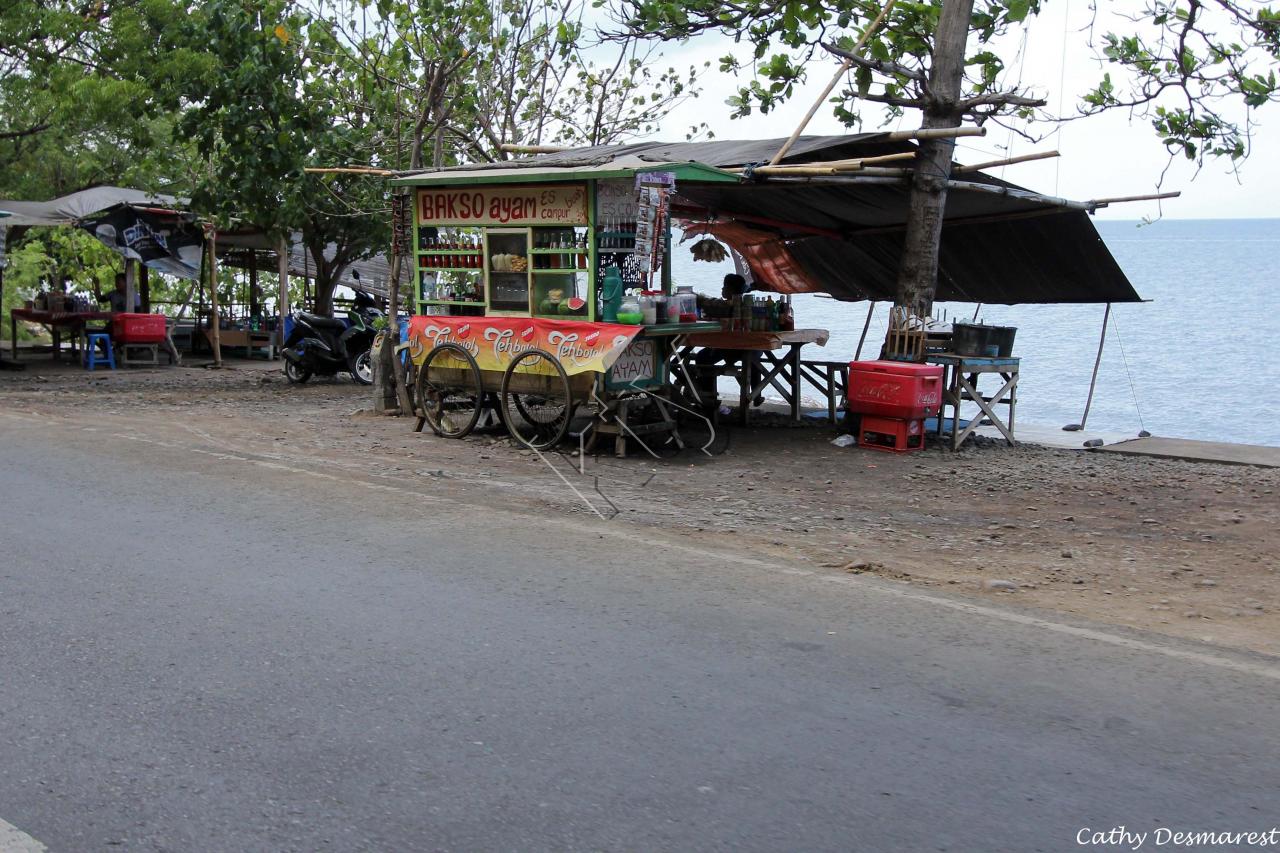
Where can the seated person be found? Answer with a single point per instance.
(117, 297)
(733, 287)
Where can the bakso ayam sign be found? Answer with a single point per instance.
(503, 205)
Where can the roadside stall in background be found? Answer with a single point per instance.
(506, 251)
(155, 233)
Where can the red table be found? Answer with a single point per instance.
(54, 321)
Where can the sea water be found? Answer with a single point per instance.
(1194, 361)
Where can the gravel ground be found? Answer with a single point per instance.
(1186, 549)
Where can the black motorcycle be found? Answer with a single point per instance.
(324, 346)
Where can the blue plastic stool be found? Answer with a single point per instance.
(91, 357)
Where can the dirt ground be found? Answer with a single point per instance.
(1185, 549)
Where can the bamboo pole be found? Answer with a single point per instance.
(215, 336)
(349, 170)
(532, 149)
(1088, 403)
(1008, 161)
(1103, 202)
(833, 167)
(935, 133)
(997, 189)
(282, 296)
(826, 93)
(130, 284)
(871, 309)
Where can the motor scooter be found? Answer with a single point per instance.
(324, 346)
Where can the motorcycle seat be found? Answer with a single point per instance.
(322, 322)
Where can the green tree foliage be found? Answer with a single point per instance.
(1195, 70)
(1183, 61)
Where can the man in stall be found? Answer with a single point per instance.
(708, 360)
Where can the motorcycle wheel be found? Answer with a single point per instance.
(361, 367)
(296, 374)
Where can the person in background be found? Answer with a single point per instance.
(709, 359)
(117, 297)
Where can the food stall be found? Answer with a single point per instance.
(506, 254)
(537, 293)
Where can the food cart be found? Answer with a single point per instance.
(518, 280)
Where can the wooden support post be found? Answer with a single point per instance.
(282, 303)
(144, 283)
(130, 284)
(871, 309)
(1097, 362)
(255, 300)
(215, 337)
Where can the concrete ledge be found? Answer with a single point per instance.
(1198, 451)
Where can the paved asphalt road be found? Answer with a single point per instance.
(203, 653)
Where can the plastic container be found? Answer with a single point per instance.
(649, 308)
(630, 312)
(138, 328)
(894, 389)
(979, 339)
(896, 435)
(682, 307)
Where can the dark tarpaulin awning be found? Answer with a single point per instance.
(995, 248)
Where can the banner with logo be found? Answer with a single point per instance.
(494, 342)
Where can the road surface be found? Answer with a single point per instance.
(203, 650)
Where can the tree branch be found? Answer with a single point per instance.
(881, 65)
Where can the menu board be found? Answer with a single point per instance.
(616, 202)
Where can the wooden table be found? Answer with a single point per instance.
(250, 339)
(54, 321)
(960, 378)
(773, 358)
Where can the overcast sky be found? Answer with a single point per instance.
(1102, 156)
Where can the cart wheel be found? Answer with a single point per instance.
(448, 391)
(536, 403)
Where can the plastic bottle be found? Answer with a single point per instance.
(611, 294)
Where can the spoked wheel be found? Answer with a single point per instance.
(361, 367)
(448, 391)
(536, 401)
(295, 373)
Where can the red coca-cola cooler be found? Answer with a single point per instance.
(138, 328)
(894, 389)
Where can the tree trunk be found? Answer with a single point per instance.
(918, 272)
(389, 391)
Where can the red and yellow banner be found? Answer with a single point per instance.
(494, 342)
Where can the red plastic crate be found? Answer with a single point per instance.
(894, 389)
(138, 328)
(897, 435)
